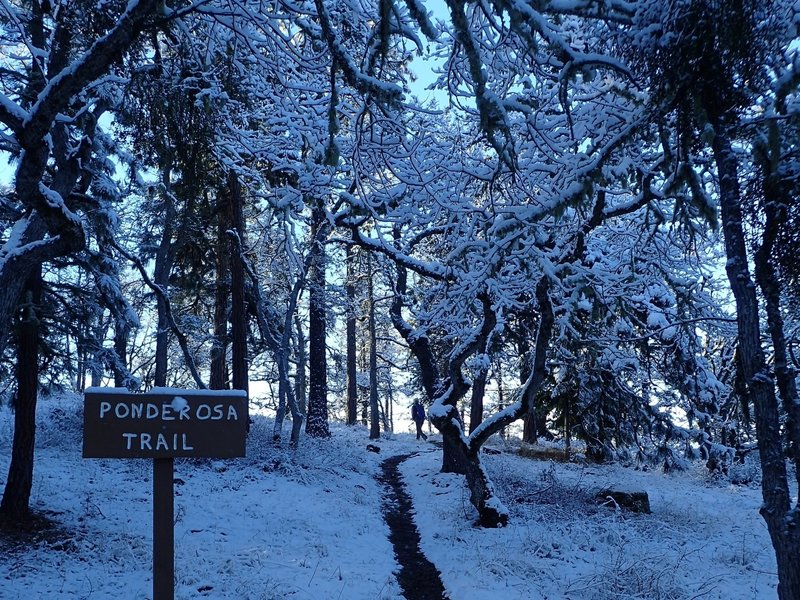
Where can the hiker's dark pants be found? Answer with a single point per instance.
(420, 433)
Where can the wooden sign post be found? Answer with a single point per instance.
(163, 424)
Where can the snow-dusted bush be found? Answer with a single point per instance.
(536, 483)
(59, 421)
(627, 577)
(745, 472)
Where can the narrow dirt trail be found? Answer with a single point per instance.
(418, 577)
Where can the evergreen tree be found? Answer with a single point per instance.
(708, 75)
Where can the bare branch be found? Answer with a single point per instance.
(159, 291)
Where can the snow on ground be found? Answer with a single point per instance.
(275, 525)
(704, 538)
(307, 525)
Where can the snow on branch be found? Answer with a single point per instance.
(497, 421)
(11, 114)
(366, 84)
(493, 118)
(433, 270)
(30, 250)
(54, 201)
(37, 55)
(617, 11)
(89, 66)
(658, 332)
(420, 15)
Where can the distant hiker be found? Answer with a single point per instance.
(418, 414)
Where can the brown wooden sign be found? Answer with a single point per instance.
(164, 423)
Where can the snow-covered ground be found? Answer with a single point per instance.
(308, 525)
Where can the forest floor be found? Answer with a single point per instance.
(332, 520)
(418, 577)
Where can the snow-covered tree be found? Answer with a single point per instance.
(709, 72)
(62, 69)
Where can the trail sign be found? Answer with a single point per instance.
(163, 424)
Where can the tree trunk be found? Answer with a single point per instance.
(239, 375)
(80, 375)
(362, 366)
(533, 423)
(162, 345)
(476, 402)
(218, 377)
(165, 256)
(465, 454)
(286, 398)
(783, 523)
(279, 342)
(776, 210)
(501, 400)
(16, 497)
(286, 392)
(297, 395)
(352, 367)
(420, 346)
(466, 460)
(459, 455)
(121, 331)
(388, 414)
(417, 341)
(462, 454)
(374, 411)
(301, 356)
(529, 420)
(317, 421)
(280, 416)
